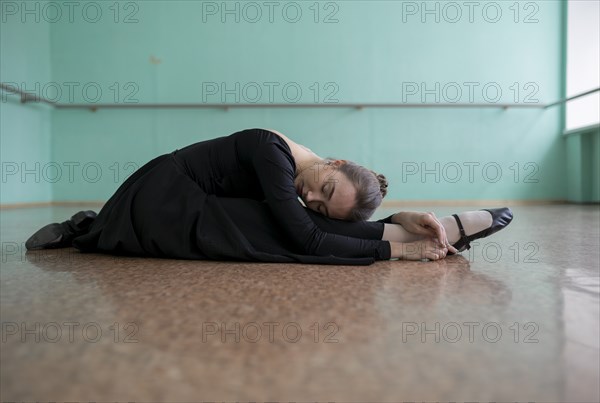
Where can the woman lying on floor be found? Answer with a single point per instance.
(236, 198)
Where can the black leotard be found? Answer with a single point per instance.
(228, 198)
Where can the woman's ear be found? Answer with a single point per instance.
(337, 163)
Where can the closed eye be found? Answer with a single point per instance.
(331, 190)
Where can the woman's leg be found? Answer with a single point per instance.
(472, 221)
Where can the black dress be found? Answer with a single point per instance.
(230, 198)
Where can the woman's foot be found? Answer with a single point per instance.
(60, 235)
(475, 225)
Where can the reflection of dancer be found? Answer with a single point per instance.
(236, 197)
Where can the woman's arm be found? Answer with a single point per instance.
(356, 229)
(403, 244)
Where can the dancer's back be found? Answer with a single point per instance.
(223, 166)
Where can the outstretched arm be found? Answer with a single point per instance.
(404, 244)
(387, 229)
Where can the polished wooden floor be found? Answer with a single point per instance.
(516, 319)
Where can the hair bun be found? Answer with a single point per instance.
(383, 183)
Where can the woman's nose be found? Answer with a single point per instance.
(310, 196)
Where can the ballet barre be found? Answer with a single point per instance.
(29, 98)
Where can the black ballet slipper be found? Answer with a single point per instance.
(60, 235)
(501, 217)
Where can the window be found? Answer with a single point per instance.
(583, 63)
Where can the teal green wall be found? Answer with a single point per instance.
(25, 138)
(583, 170)
(368, 53)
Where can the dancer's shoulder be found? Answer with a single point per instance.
(256, 137)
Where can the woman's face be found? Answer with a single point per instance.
(326, 190)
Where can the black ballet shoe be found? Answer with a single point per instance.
(501, 217)
(60, 235)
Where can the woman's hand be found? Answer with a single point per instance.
(424, 224)
(426, 248)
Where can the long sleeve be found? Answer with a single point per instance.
(386, 220)
(275, 169)
(357, 229)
